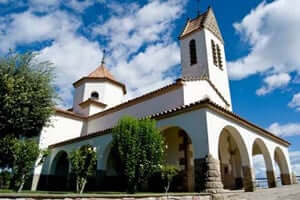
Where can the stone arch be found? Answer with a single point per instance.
(60, 168)
(235, 167)
(180, 152)
(281, 160)
(260, 148)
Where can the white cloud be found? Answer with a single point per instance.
(272, 31)
(295, 161)
(295, 103)
(285, 130)
(139, 41)
(260, 167)
(141, 51)
(272, 82)
(25, 28)
(3, 1)
(73, 57)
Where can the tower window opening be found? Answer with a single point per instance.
(193, 52)
(220, 60)
(214, 53)
(95, 95)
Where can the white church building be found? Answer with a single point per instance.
(213, 146)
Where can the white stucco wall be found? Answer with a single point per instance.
(62, 128)
(166, 101)
(201, 67)
(216, 75)
(199, 90)
(109, 94)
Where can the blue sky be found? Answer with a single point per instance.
(261, 40)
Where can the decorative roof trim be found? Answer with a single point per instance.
(67, 113)
(92, 101)
(206, 103)
(99, 79)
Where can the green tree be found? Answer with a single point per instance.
(83, 162)
(140, 150)
(25, 154)
(26, 95)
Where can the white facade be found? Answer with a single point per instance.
(196, 109)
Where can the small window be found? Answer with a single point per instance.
(220, 60)
(214, 52)
(217, 56)
(193, 52)
(95, 95)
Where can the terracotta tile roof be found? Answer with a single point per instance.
(206, 103)
(205, 20)
(101, 72)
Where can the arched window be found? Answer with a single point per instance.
(95, 95)
(193, 52)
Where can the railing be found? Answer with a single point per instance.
(263, 182)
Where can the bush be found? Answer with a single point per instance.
(5, 179)
(139, 147)
(25, 154)
(83, 162)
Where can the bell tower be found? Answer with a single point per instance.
(202, 52)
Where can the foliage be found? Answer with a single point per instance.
(140, 149)
(26, 95)
(5, 178)
(6, 152)
(83, 163)
(167, 174)
(25, 154)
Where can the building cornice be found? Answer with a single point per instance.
(93, 102)
(99, 79)
(69, 114)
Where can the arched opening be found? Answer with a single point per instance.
(281, 161)
(234, 161)
(60, 171)
(112, 179)
(263, 165)
(179, 152)
(95, 95)
(193, 52)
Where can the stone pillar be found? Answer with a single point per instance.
(208, 175)
(271, 179)
(249, 182)
(190, 169)
(295, 181)
(286, 179)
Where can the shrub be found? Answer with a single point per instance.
(140, 150)
(5, 179)
(83, 163)
(25, 154)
